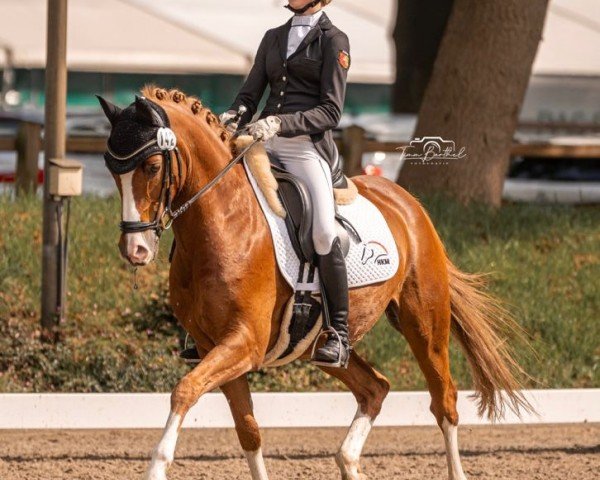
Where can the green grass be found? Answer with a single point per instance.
(545, 263)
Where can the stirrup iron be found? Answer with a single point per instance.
(189, 354)
(338, 363)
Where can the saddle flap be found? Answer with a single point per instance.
(297, 202)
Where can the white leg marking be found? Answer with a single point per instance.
(348, 457)
(257, 465)
(455, 471)
(165, 450)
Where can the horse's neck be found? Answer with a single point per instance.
(215, 222)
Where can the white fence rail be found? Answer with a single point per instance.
(149, 410)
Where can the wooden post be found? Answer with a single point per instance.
(353, 138)
(54, 147)
(28, 151)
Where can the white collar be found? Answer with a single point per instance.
(307, 20)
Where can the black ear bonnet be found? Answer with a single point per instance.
(138, 132)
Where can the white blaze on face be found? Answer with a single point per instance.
(130, 213)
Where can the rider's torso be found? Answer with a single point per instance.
(298, 77)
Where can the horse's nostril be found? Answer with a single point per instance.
(141, 252)
(134, 249)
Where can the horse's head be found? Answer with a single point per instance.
(143, 158)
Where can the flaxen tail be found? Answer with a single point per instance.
(478, 323)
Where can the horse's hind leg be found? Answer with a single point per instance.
(427, 330)
(240, 402)
(370, 389)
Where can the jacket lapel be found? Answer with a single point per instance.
(282, 38)
(323, 24)
(310, 36)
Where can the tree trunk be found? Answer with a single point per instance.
(420, 26)
(475, 95)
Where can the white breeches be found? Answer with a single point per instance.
(299, 157)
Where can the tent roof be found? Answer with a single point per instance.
(112, 35)
(571, 39)
(243, 23)
(216, 36)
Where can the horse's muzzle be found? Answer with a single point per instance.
(134, 249)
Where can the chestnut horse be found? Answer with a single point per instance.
(228, 294)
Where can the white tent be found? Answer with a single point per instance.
(571, 39)
(242, 23)
(113, 36)
(221, 36)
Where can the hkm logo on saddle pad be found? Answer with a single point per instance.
(376, 253)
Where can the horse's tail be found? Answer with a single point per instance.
(478, 321)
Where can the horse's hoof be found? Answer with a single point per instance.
(354, 476)
(349, 470)
(154, 475)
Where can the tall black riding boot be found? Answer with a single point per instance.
(334, 285)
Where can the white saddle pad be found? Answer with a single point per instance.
(373, 260)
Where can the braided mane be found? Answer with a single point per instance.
(162, 95)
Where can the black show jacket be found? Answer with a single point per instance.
(307, 89)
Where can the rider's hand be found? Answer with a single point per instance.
(265, 129)
(228, 115)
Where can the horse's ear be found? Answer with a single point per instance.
(146, 113)
(110, 110)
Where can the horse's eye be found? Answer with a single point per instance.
(153, 168)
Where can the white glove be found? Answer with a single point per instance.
(265, 129)
(228, 115)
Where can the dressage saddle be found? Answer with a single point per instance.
(298, 205)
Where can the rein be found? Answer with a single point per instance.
(168, 216)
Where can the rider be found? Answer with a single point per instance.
(305, 62)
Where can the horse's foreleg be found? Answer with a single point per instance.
(223, 363)
(370, 389)
(240, 402)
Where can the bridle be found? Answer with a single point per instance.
(166, 141)
(165, 215)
